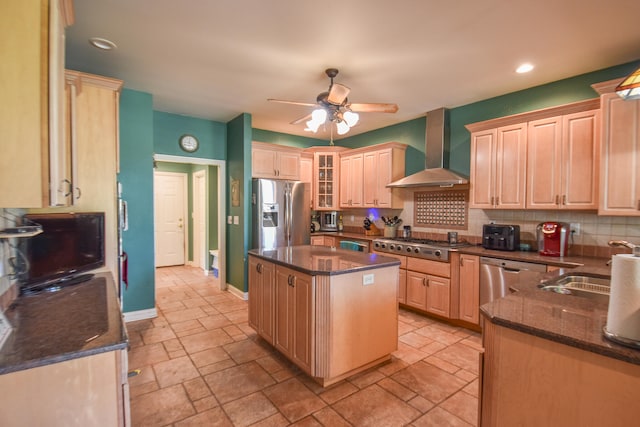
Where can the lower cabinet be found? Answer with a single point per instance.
(428, 286)
(261, 297)
(293, 303)
(86, 391)
(469, 293)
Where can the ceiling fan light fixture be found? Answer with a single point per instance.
(630, 87)
(342, 127)
(351, 118)
(318, 117)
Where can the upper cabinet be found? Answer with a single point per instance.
(562, 161)
(498, 168)
(544, 159)
(35, 162)
(351, 180)
(326, 176)
(620, 151)
(306, 173)
(383, 165)
(275, 161)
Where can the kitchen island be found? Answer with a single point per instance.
(546, 361)
(332, 312)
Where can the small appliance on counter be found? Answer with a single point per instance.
(328, 221)
(501, 237)
(315, 223)
(553, 238)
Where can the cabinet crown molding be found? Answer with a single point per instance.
(72, 76)
(375, 147)
(607, 87)
(560, 110)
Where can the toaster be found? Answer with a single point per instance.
(501, 237)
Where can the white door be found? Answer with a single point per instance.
(170, 217)
(200, 219)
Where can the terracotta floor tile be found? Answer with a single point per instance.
(271, 364)
(245, 351)
(147, 355)
(415, 340)
(408, 354)
(463, 406)
(438, 334)
(216, 367)
(205, 403)
(307, 422)
(374, 406)
(194, 302)
(466, 375)
(275, 420)
(473, 388)
(337, 392)
(187, 314)
(215, 321)
(209, 356)
(212, 418)
(421, 404)
(204, 340)
(293, 399)
(249, 409)
(398, 390)
(329, 417)
(461, 355)
(366, 378)
(442, 364)
(175, 371)
(430, 382)
(196, 388)
(238, 381)
(186, 325)
(161, 407)
(440, 418)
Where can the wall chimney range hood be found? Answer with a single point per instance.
(437, 141)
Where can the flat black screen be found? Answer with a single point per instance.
(70, 243)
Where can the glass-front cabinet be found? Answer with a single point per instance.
(326, 180)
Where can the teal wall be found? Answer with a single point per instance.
(286, 139)
(167, 129)
(239, 134)
(136, 176)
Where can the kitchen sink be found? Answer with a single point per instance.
(583, 285)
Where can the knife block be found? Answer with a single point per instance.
(373, 231)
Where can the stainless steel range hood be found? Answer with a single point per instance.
(437, 141)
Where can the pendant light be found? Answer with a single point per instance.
(629, 89)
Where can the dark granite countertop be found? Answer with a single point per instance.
(535, 257)
(73, 322)
(567, 319)
(322, 260)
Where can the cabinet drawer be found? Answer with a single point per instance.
(401, 258)
(436, 268)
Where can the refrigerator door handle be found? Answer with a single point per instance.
(124, 216)
(287, 214)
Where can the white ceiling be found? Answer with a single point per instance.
(216, 59)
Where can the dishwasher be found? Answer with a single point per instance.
(496, 275)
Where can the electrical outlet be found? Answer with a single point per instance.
(367, 279)
(575, 228)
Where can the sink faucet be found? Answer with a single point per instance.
(616, 243)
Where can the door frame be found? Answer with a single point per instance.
(222, 206)
(200, 258)
(185, 210)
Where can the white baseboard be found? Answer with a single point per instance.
(132, 316)
(237, 292)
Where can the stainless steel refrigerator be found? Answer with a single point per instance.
(281, 213)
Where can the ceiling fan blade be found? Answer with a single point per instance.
(301, 119)
(337, 94)
(282, 101)
(373, 108)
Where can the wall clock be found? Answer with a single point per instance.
(189, 143)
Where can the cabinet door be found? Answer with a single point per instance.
(317, 240)
(263, 163)
(544, 163)
(482, 170)
(288, 165)
(416, 290)
(351, 185)
(402, 286)
(469, 304)
(326, 181)
(370, 179)
(511, 166)
(580, 160)
(306, 175)
(620, 167)
(261, 297)
(438, 300)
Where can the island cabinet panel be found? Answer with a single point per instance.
(531, 381)
(293, 316)
(261, 298)
(469, 290)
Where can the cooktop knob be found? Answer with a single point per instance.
(382, 245)
(392, 247)
(399, 247)
(438, 253)
(416, 250)
(408, 248)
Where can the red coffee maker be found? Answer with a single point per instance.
(553, 238)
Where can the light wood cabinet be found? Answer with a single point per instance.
(498, 168)
(351, 184)
(324, 241)
(306, 173)
(429, 286)
(35, 159)
(532, 381)
(293, 316)
(416, 290)
(275, 161)
(93, 129)
(469, 289)
(326, 180)
(381, 167)
(620, 153)
(562, 161)
(261, 298)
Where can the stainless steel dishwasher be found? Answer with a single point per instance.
(496, 275)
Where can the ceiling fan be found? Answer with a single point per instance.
(334, 106)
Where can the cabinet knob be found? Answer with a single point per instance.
(564, 199)
(424, 281)
(557, 199)
(259, 268)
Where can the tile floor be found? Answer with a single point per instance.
(202, 365)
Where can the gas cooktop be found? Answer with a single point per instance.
(421, 248)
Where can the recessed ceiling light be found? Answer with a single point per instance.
(524, 68)
(101, 43)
